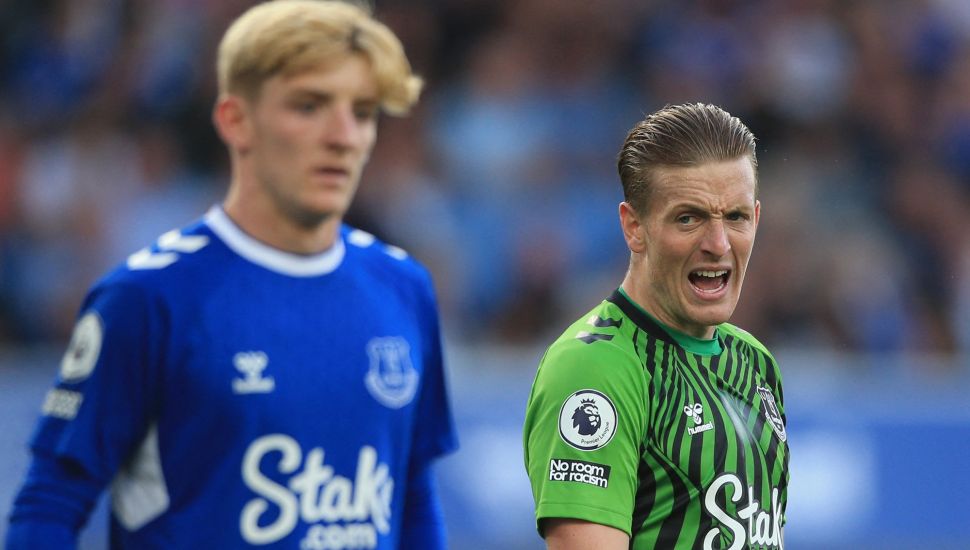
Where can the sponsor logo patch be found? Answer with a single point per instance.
(85, 348)
(696, 412)
(587, 420)
(251, 365)
(294, 488)
(579, 471)
(62, 404)
(755, 525)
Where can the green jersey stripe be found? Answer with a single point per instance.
(645, 496)
(673, 524)
(636, 343)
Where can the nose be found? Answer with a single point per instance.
(715, 241)
(342, 128)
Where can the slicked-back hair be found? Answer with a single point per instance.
(287, 37)
(680, 135)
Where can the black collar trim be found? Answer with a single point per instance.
(645, 323)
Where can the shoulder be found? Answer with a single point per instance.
(174, 259)
(746, 337)
(597, 344)
(764, 359)
(593, 362)
(371, 253)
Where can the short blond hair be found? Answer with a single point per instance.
(287, 37)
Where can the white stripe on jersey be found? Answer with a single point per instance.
(138, 491)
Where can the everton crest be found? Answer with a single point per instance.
(391, 377)
(770, 410)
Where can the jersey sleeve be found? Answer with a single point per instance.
(434, 432)
(104, 392)
(585, 421)
(91, 418)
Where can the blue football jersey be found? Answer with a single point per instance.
(234, 395)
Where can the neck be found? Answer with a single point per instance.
(635, 286)
(264, 221)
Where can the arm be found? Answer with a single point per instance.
(52, 505)
(575, 534)
(599, 506)
(88, 424)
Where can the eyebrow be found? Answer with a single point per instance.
(317, 95)
(697, 207)
(688, 205)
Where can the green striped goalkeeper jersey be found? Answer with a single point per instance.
(680, 445)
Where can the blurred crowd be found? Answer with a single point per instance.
(503, 181)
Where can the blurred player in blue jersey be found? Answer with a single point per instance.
(267, 376)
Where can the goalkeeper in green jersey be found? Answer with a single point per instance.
(652, 422)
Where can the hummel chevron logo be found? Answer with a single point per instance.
(251, 365)
(589, 338)
(174, 240)
(598, 321)
(169, 245)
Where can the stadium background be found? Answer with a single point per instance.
(503, 183)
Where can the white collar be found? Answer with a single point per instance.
(271, 258)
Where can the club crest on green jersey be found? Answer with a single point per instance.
(587, 420)
(770, 408)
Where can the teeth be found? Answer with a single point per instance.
(711, 274)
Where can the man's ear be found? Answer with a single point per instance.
(633, 231)
(231, 119)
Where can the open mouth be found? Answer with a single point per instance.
(709, 282)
